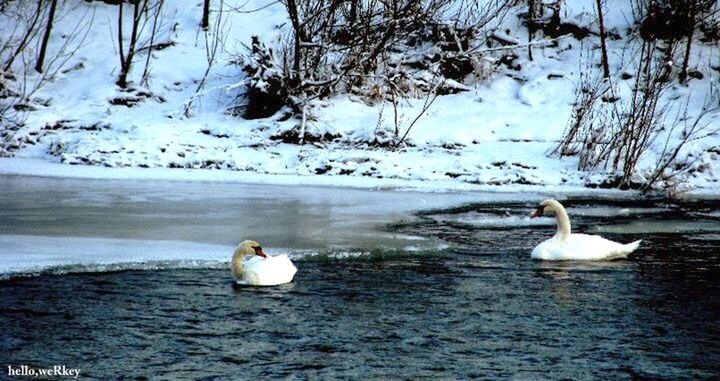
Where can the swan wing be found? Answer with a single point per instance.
(583, 247)
(269, 271)
(595, 247)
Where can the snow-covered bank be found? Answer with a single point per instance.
(44, 168)
(495, 134)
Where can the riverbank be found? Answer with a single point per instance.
(496, 131)
(45, 168)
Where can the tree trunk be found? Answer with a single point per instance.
(146, 71)
(686, 61)
(121, 50)
(603, 43)
(206, 15)
(531, 20)
(295, 20)
(353, 12)
(127, 63)
(46, 37)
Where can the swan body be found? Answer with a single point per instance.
(566, 246)
(260, 269)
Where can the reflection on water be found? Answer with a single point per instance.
(480, 308)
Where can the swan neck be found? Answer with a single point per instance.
(238, 264)
(563, 222)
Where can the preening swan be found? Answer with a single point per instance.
(566, 246)
(260, 269)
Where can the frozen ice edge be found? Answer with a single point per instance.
(34, 255)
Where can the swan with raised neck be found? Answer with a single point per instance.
(565, 245)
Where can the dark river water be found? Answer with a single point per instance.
(476, 308)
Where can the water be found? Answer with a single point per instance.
(448, 293)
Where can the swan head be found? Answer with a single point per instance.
(250, 247)
(548, 206)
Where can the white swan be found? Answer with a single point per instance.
(260, 269)
(566, 246)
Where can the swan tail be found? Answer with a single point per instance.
(632, 246)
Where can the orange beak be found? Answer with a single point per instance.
(259, 251)
(538, 213)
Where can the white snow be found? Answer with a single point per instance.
(497, 134)
(42, 168)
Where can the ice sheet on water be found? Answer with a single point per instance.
(479, 219)
(611, 211)
(31, 255)
(516, 218)
(658, 227)
(28, 254)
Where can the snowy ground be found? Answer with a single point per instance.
(497, 134)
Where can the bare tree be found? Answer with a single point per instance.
(298, 36)
(20, 82)
(46, 37)
(213, 42)
(531, 20)
(150, 46)
(126, 58)
(30, 32)
(603, 38)
(205, 23)
(682, 77)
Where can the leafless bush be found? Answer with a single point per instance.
(676, 20)
(213, 42)
(613, 134)
(363, 46)
(582, 132)
(381, 51)
(18, 79)
(430, 97)
(145, 13)
(684, 129)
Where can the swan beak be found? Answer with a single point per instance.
(259, 252)
(538, 213)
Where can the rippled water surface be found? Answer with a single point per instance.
(476, 308)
